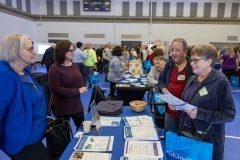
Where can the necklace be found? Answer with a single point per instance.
(21, 73)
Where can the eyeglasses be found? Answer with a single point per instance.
(195, 61)
(31, 49)
(72, 50)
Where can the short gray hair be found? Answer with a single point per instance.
(207, 51)
(183, 41)
(11, 47)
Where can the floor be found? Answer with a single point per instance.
(232, 140)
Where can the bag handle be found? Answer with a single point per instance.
(196, 135)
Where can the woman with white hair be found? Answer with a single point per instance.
(23, 111)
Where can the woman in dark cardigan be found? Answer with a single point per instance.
(210, 91)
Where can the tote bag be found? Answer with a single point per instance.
(234, 80)
(94, 78)
(58, 136)
(181, 147)
(147, 65)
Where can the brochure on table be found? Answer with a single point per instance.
(140, 133)
(174, 101)
(109, 121)
(96, 116)
(138, 121)
(150, 149)
(77, 155)
(95, 143)
(139, 158)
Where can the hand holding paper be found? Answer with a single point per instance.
(178, 103)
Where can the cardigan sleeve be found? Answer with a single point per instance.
(226, 107)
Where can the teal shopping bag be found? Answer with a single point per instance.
(180, 147)
(94, 78)
(147, 65)
(160, 107)
(234, 80)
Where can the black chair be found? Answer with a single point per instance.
(41, 78)
(159, 119)
(97, 95)
(48, 93)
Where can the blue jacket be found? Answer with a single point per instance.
(165, 75)
(216, 108)
(115, 69)
(23, 114)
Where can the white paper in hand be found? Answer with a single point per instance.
(176, 102)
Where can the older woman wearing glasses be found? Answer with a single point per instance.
(67, 84)
(23, 111)
(210, 91)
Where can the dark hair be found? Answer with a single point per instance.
(79, 44)
(117, 51)
(158, 52)
(61, 49)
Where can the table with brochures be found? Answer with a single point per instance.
(117, 132)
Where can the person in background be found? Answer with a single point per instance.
(66, 84)
(159, 52)
(218, 52)
(107, 56)
(223, 51)
(23, 111)
(237, 53)
(116, 69)
(134, 53)
(89, 63)
(210, 91)
(99, 53)
(48, 59)
(153, 76)
(126, 54)
(79, 57)
(143, 54)
(229, 63)
(173, 79)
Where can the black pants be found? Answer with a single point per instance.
(112, 90)
(100, 66)
(106, 66)
(78, 118)
(36, 151)
(81, 67)
(229, 72)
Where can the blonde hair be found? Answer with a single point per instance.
(11, 47)
(230, 52)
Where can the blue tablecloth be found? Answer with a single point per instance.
(117, 132)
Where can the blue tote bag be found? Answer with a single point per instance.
(94, 78)
(147, 65)
(160, 107)
(181, 147)
(234, 80)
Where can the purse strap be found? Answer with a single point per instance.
(197, 136)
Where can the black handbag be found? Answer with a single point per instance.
(58, 136)
(191, 133)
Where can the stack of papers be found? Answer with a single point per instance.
(109, 121)
(90, 156)
(95, 143)
(140, 133)
(150, 149)
(138, 121)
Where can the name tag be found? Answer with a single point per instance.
(203, 91)
(181, 78)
